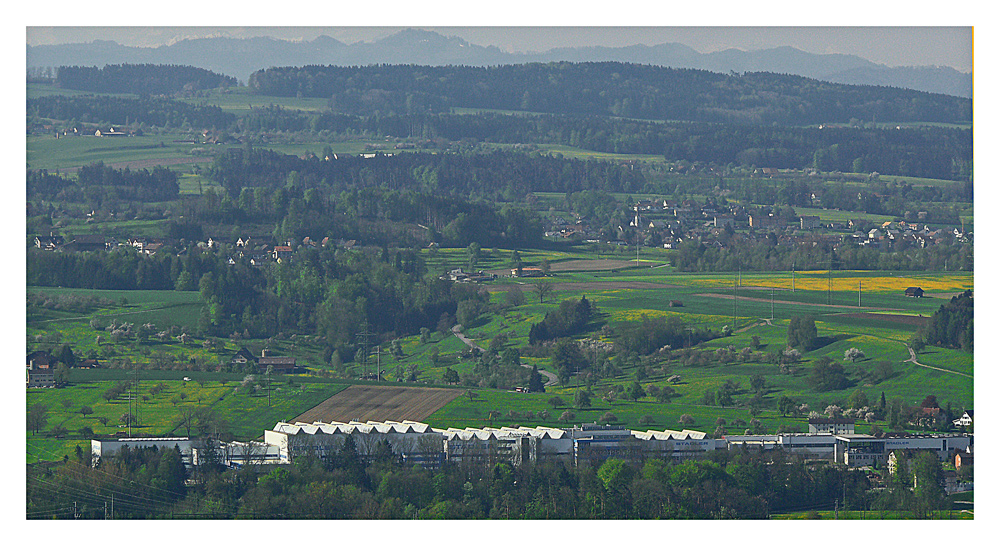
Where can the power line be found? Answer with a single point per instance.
(73, 467)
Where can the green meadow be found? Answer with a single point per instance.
(830, 297)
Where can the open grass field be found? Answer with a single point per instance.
(872, 515)
(246, 415)
(66, 154)
(239, 101)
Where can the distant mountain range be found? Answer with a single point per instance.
(241, 57)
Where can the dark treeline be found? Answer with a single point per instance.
(348, 485)
(374, 215)
(951, 325)
(140, 79)
(607, 88)
(97, 182)
(500, 175)
(763, 254)
(149, 111)
(931, 152)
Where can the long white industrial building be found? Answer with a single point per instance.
(420, 444)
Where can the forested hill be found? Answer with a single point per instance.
(140, 79)
(609, 88)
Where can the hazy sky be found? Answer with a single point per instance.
(889, 45)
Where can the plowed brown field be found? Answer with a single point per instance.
(368, 403)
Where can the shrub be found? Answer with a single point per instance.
(686, 419)
(608, 417)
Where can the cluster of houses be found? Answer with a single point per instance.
(669, 223)
(245, 248)
(89, 242)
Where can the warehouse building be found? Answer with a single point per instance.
(417, 443)
(108, 447)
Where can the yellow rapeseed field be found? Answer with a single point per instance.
(817, 280)
(637, 315)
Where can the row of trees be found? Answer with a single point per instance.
(764, 254)
(98, 182)
(89, 110)
(503, 175)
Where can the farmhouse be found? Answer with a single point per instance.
(242, 357)
(85, 243)
(278, 364)
(527, 272)
(914, 292)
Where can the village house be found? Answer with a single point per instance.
(242, 357)
(809, 222)
(723, 220)
(963, 458)
(41, 370)
(282, 253)
(965, 420)
(832, 426)
(48, 242)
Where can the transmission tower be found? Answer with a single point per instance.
(365, 337)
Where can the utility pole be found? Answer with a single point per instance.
(365, 335)
(734, 303)
(793, 277)
(772, 304)
(859, 293)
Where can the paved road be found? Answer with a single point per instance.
(550, 378)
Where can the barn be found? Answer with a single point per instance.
(914, 292)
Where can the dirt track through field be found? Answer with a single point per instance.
(363, 403)
(593, 286)
(784, 302)
(909, 320)
(149, 163)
